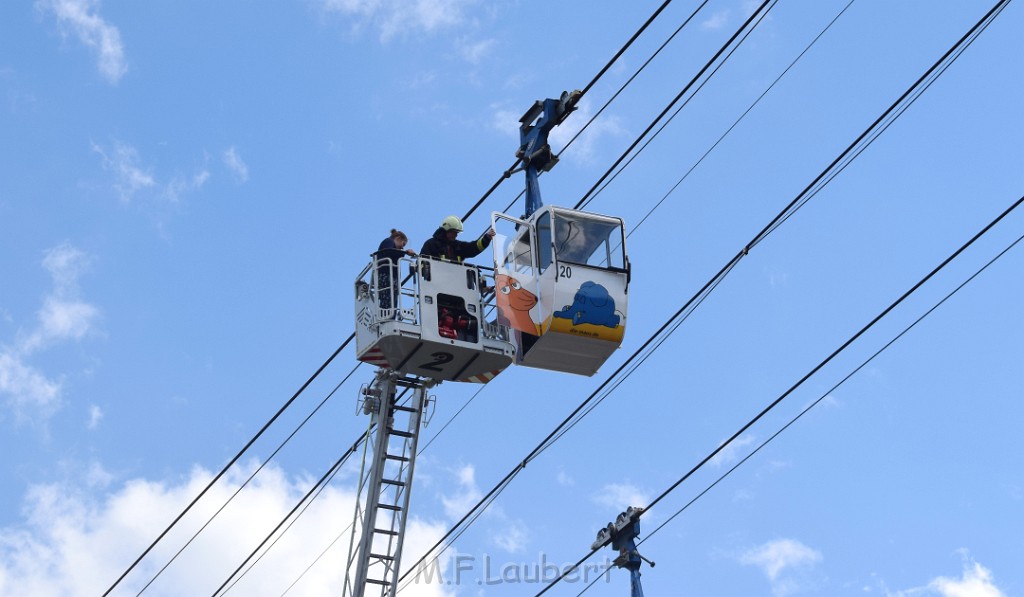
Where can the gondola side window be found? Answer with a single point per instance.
(589, 241)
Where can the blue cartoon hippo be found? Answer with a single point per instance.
(592, 304)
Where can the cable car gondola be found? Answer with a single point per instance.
(562, 279)
(562, 274)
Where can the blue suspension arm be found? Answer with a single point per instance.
(534, 150)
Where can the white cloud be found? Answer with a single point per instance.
(785, 562)
(620, 496)
(97, 476)
(31, 395)
(976, 581)
(131, 178)
(466, 495)
(123, 161)
(65, 264)
(716, 20)
(234, 163)
(512, 538)
(63, 315)
(476, 52)
(584, 149)
(502, 117)
(28, 391)
(396, 18)
(182, 185)
(66, 319)
(564, 479)
(742, 495)
(74, 541)
(95, 416)
(82, 19)
(730, 454)
(505, 532)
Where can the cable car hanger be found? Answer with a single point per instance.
(534, 151)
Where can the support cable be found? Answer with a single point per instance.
(835, 387)
(614, 95)
(279, 412)
(755, 15)
(807, 376)
(842, 381)
(308, 499)
(734, 124)
(230, 463)
(509, 171)
(692, 168)
(922, 85)
(505, 175)
(708, 287)
(635, 74)
(319, 483)
(451, 419)
(636, 154)
(265, 462)
(318, 490)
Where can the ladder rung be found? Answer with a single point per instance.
(390, 507)
(393, 482)
(382, 557)
(397, 457)
(378, 582)
(385, 532)
(399, 433)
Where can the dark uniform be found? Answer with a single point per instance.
(440, 247)
(388, 277)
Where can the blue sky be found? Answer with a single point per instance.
(189, 189)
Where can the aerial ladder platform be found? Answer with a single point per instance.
(385, 482)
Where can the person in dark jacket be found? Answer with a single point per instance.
(444, 244)
(388, 254)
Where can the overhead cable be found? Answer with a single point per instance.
(731, 127)
(505, 175)
(754, 15)
(708, 287)
(509, 171)
(264, 463)
(295, 513)
(321, 482)
(226, 467)
(569, 569)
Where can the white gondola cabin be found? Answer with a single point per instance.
(433, 323)
(562, 278)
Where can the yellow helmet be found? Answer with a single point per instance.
(452, 223)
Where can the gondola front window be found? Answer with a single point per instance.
(589, 240)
